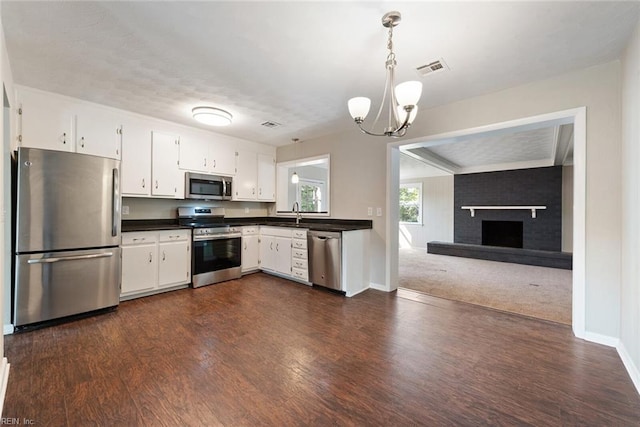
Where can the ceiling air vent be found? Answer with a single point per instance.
(433, 67)
(271, 124)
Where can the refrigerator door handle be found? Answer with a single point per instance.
(69, 258)
(115, 214)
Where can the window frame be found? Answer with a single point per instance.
(418, 185)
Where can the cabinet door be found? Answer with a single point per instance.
(222, 157)
(135, 167)
(283, 255)
(194, 154)
(174, 263)
(44, 123)
(250, 253)
(98, 132)
(139, 268)
(165, 173)
(266, 178)
(267, 253)
(245, 181)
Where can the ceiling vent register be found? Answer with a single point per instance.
(433, 67)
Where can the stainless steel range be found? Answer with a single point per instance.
(217, 251)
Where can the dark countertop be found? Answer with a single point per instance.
(319, 224)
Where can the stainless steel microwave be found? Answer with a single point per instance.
(208, 187)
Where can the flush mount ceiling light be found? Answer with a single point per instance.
(212, 116)
(402, 102)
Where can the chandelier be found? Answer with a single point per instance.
(401, 103)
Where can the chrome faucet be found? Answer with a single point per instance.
(296, 209)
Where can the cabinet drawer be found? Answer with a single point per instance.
(275, 231)
(299, 243)
(299, 253)
(139, 238)
(299, 234)
(300, 274)
(249, 231)
(174, 235)
(299, 263)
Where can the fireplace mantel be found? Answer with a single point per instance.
(533, 209)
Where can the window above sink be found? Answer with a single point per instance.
(311, 192)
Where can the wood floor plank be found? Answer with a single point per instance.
(265, 351)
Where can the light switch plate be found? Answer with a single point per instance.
(378, 211)
(370, 211)
(125, 210)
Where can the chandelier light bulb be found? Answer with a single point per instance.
(408, 93)
(359, 107)
(295, 178)
(402, 114)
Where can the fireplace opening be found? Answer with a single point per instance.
(502, 233)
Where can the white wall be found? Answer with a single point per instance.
(358, 168)
(629, 347)
(6, 78)
(437, 213)
(358, 181)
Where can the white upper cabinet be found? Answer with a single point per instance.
(44, 122)
(222, 157)
(194, 154)
(246, 179)
(135, 167)
(255, 177)
(99, 132)
(54, 122)
(167, 178)
(266, 178)
(207, 155)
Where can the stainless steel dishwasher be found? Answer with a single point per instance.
(325, 258)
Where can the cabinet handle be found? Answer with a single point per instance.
(253, 191)
(214, 163)
(245, 246)
(277, 247)
(143, 184)
(64, 138)
(271, 246)
(156, 184)
(205, 163)
(150, 257)
(82, 142)
(164, 256)
(260, 191)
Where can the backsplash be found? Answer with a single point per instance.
(148, 208)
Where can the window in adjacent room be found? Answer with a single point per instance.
(411, 203)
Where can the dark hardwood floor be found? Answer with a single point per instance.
(265, 351)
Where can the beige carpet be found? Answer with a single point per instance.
(540, 292)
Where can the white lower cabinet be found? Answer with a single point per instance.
(155, 261)
(299, 256)
(250, 248)
(284, 251)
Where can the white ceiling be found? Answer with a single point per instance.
(297, 63)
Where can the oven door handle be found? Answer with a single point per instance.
(216, 237)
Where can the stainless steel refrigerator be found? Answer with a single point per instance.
(67, 235)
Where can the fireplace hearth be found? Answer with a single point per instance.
(506, 234)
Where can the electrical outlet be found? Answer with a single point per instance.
(125, 210)
(246, 210)
(378, 211)
(370, 211)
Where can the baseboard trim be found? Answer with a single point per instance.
(601, 339)
(378, 287)
(631, 367)
(4, 380)
(7, 329)
(352, 294)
